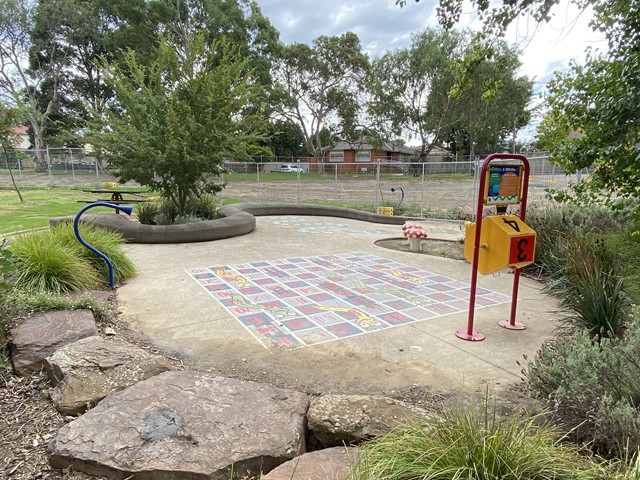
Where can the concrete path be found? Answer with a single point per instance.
(174, 312)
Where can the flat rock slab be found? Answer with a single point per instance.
(186, 425)
(86, 371)
(328, 464)
(40, 336)
(350, 419)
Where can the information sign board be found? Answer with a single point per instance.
(503, 185)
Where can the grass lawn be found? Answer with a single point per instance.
(40, 204)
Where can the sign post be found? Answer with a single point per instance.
(506, 241)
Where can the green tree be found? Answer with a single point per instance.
(180, 118)
(496, 15)
(24, 66)
(93, 29)
(451, 87)
(87, 30)
(321, 88)
(411, 88)
(593, 108)
(491, 105)
(285, 139)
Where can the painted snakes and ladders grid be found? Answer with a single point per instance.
(309, 300)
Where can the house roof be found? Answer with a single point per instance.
(21, 130)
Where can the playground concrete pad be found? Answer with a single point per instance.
(312, 303)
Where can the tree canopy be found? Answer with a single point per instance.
(24, 67)
(179, 118)
(593, 115)
(452, 87)
(94, 30)
(496, 15)
(321, 87)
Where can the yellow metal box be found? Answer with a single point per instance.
(505, 241)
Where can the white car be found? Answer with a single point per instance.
(290, 168)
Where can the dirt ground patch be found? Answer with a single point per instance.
(440, 248)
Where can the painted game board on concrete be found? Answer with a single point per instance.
(308, 300)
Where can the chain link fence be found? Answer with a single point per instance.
(429, 189)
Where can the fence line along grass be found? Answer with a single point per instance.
(40, 204)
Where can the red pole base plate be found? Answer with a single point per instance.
(474, 337)
(509, 326)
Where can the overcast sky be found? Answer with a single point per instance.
(382, 26)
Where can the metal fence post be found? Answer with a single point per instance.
(335, 182)
(49, 168)
(377, 202)
(422, 191)
(97, 173)
(297, 182)
(258, 165)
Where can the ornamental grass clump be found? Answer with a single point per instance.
(472, 445)
(591, 287)
(108, 242)
(45, 264)
(54, 261)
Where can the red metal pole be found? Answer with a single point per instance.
(469, 334)
(512, 324)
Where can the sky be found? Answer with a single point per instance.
(383, 26)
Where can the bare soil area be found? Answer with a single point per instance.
(440, 248)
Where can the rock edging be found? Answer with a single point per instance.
(190, 424)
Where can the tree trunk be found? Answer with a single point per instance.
(40, 158)
(13, 180)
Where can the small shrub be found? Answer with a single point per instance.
(593, 388)
(204, 207)
(472, 445)
(45, 264)
(108, 242)
(590, 287)
(164, 212)
(6, 267)
(147, 211)
(553, 226)
(626, 243)
(180, 219)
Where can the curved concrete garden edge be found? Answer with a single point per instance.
(237, 219)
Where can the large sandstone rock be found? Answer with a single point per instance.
(184, 425)
(86, 371)
(328, 464)
(38, 337)
(349, 419)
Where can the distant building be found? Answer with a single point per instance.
(357, 157)
(22, 133)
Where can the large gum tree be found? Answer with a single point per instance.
(321, 89)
